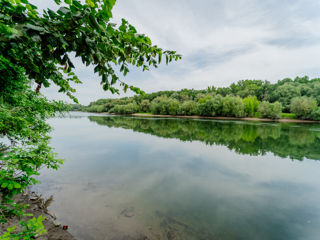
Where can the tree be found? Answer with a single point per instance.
(284, 94)
(303, 106)
(145, 105)
(251, 105)
(188, 108)
(270, 110)
(36, 48)
(42, 44)
(233, 107)
(164, 105)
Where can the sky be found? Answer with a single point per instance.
(221, 41)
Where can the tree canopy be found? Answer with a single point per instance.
(42, 44)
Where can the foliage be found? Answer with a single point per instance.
(251, 105)
(42, 44)
(188, 108)
(303, 106)
(33, 227)
(288, 115)
(23, 114)
(270, 110)
(125, 109)
(315, 115)
(233, 107)
(284, 94)
(145, 105)
(164, 105)
(208, 102)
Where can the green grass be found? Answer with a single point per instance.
(257, 115)
(144, 113)
(288, 115)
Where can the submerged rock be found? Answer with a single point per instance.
(56, 223)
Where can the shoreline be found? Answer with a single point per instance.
(38, 206)
(281, 120)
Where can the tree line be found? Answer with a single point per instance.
(293, 98)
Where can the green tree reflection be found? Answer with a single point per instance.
(296, 141)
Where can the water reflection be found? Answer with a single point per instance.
(161, 182)
(284, 140)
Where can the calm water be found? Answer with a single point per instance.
(128, 178)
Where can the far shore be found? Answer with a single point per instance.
(284, 120)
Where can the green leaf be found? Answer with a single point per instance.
(4, 185)
(33, 27)
(90, 3)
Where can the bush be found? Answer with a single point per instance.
(145, 105)
(303, 106)
(210, 106)
(188, 108)
(95, 108)
(315, 115)
(125, 109)
(165, 106)
(232, 107)
(270, 110)
(251, 105)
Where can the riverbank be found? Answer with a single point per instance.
(38, 206)
(285, 120)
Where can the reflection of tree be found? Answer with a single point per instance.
(283, 140)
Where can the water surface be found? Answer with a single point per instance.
(128, 178)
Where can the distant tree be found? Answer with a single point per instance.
(270, 110)
(164, 105)
(251, 105)
(233, 107)
(303, 106)
(284, 94)
(188, 108)
(145, 105)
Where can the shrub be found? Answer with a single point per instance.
(188, 108)
(173, 106)
(303, 106)
(315, 115)
(164, 105)
(210, 106)
(270, 110)
(232, 107)
(125, 109)
(251, 105)
(145, 105)
(95, 108)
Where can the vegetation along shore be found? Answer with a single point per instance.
(291, 99)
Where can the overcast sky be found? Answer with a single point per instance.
(222, 41)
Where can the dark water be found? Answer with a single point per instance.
(128, 178)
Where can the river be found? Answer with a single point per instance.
(135, 178)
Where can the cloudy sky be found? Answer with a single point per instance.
(222, 41)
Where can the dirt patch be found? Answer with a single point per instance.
(38, 206)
